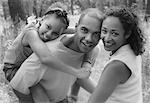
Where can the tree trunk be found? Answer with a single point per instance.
(28, 7)
(84, 4)
(130, 2)
(148, 7)
(116, 2)
(71, 7)
(123, 2)
(1, 34)
(16, 10)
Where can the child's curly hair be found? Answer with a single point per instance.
(60, 13)
(130, 23)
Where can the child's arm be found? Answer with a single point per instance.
(88, 84)
(69, 31)
(45, 55)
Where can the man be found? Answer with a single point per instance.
(70, 49)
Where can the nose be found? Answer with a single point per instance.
(48, 34)
(107, 37)
(88, 37)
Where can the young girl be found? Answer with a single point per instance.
(120, 81)
(50, 27)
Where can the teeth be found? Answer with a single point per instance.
(108, 44)
(88, 45)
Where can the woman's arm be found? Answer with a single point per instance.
(114, 74)
(45, 55)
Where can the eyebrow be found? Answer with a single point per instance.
(114, 30)
(84, 27)
(111, 29)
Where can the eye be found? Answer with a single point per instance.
(84, 30)
(103, 31)
(114, 33)
(49, 27)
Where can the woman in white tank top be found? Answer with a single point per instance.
(120, 81)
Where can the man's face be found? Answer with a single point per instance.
(87, 34)
(51, 28)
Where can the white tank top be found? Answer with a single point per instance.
(131, 90)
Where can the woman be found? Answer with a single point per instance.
(120, 81)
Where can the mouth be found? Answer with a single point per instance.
(107, 44)
(87, 45)
(44, 36)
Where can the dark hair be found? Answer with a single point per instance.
(130, 24)
(61, 14)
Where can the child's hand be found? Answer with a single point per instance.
(84, 73)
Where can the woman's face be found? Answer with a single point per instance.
(112, 34)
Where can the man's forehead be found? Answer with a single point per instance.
(90, 23)
(89, 28)
(89, 20)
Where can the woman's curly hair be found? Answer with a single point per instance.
(130, 22)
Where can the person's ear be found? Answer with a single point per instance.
(127, 35)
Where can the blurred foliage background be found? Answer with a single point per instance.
(14, 14)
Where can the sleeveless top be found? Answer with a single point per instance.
(17, 53)
(131, 90)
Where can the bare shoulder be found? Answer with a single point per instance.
(120, 69)
(29, 35)
(117, 65)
